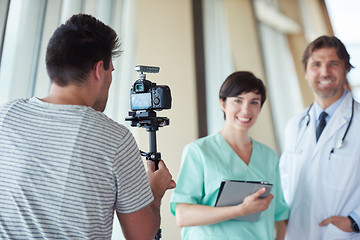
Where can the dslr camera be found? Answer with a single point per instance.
(146, 95)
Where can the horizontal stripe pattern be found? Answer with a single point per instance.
(63, 171)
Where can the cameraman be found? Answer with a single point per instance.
(65, 166)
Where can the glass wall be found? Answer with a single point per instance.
(283, 88)
(345, 19)
(222, 38)
(25, 28)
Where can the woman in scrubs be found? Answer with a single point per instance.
(230, 154)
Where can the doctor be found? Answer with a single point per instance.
(320, 169)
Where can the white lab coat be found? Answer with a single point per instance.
(317, 184)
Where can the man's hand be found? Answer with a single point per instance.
(340, 222)
(160, 180)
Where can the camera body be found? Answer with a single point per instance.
(146, 95)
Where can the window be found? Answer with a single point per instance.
(344, 17)
(25, 28)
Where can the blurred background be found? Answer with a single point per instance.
(196, 44)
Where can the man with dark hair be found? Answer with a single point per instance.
(65, 166)
(320, 166)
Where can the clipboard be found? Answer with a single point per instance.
(233, 192)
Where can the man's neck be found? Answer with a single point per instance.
(68, 95)
(324, 103)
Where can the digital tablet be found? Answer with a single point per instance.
(233, 192)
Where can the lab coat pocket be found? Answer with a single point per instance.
(334, 233)
(340, 171)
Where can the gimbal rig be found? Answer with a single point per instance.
(145, 97)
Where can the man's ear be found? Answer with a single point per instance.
(98, 70)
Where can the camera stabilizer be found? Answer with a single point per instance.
(149, 120)
(145, 97)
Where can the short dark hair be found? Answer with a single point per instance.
(76, 46)
(242, 82)
(328, 42)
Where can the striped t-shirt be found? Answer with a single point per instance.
(64, 169)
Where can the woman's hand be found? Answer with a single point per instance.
(196, 214)
(253, 203)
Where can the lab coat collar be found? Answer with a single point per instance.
(329, 110)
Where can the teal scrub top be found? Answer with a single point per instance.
(208, 161)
